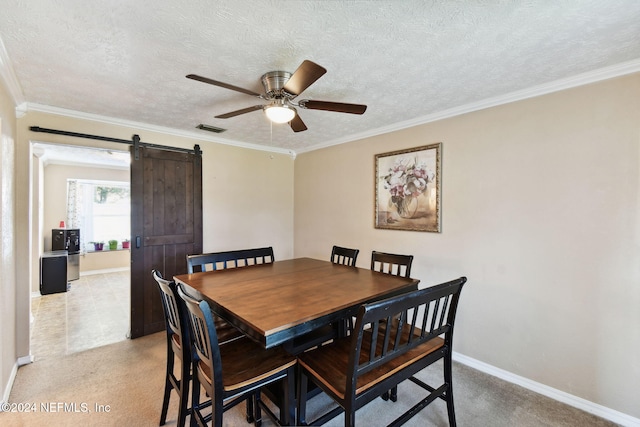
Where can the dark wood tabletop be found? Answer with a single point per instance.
(274, 303)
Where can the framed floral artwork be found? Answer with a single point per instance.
(407, 184)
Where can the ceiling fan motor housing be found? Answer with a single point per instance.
(273, 82)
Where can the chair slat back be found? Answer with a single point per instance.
(205, 341)
(344, 256)
(229, 259)
(172, 310)
(394, 264)
(389, 328)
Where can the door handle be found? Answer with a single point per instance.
(138, 242)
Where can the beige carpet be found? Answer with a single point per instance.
(125, 380)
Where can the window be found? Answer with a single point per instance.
(102, 209)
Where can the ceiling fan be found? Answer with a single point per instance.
(281, 87)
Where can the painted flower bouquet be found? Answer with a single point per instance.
(407, 179)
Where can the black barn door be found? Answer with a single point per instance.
(166, 225)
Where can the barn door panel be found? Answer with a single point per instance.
(166, 226)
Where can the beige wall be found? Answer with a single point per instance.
(540, 210)
(8, 283)
(247, 199)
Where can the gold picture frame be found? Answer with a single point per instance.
(407, 189)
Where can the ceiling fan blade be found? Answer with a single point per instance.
(297, 124)
(238, 112)
(222, 84)
(339, 107)
(306, 74)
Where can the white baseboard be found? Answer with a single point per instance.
(7, 389)
(569, 399)
(25, 360)
(106, 270)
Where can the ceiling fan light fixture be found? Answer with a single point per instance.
(280, 113)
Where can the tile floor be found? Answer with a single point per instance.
(94, 312)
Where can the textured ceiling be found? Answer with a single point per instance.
(127, 60)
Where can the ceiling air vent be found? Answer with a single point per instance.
(210, 128)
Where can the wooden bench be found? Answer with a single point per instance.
(229, 259)
(393, 340)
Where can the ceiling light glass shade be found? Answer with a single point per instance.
(280, 114)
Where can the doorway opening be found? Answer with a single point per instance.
(95, 309)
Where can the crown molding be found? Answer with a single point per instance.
(9, 76)
(605, 73)
(138, 126)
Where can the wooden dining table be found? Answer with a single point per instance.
(276, 302)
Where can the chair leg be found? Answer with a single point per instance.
(448, 378)
(167, 385)
(349, 418)
(394, 394)
(165, 401)
(195, 399)
(255, 397)
(250, 411)
(390, 394)
(302, 399)
(184, 393)
(287, 410)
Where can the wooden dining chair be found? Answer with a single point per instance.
(395, 264)
(221, 261)
(393, 340)
(345, 256)
(229, 259)
(232, 372)
(177, 348)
